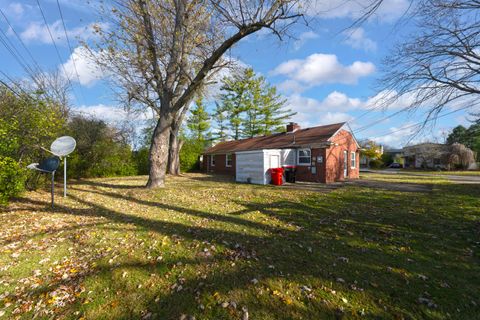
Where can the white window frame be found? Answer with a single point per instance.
(212, 160)
(226, 160)
(298, 157)
(353, 159)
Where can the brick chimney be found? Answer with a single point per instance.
(292, 127)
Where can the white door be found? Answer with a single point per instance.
(345, 164)
(274, 161)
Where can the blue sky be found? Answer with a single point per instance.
(327, 74)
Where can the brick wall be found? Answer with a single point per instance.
(220, 164)
(304, 173)
(335, 158)
(331, 169)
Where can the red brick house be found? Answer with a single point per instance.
(320, 154)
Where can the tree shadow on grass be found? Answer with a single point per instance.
(312, 253)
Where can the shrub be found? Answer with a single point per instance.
(12, 179)
(140, 157)
(376, 164)
(100, 150)
(190, 153)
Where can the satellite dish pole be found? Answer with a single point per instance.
(62, 147)
(65, 176)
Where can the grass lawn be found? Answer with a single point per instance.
(404, 178)
(453, 173)
(209, 249)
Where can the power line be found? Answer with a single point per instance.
(21, 41)
(54, 44)
(70, 47)
(9, 88)
(16, 54)
(25, 96)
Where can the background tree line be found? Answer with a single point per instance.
(32, 119)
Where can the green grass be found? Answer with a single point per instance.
(403, 178)
(453, 173)
(217, 250)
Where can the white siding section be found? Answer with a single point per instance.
(249, 167)
(254, 166)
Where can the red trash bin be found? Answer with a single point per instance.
(277, 176)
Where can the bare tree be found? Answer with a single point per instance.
(440, 64)
(161, 53)
(460, 156)
(52, 85)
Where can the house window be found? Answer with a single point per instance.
(228, 160)
(353, 160)
(304, 157)
(212, 160)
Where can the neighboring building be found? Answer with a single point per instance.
(365, 156)
(320, 154)
(394, 153)
(426, 155)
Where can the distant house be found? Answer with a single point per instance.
(426, 155)
(319, 154)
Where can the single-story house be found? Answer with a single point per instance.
(320, 154)
(426, 155)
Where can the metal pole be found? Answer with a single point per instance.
(64, 176)
(53, 180)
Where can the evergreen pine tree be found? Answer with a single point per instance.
(199, 121)
(220, 118)
(253, 107)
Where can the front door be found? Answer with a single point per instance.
(345, 164)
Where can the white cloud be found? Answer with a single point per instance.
(357, 39)
(322, 68)
(38, 32)
(386, 100)
(88, 71)
(303, 38)
(332, 109)
(397, 136)
(110, 114)
(388, 11)
(15, 8)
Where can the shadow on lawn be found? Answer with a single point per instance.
(324, 233)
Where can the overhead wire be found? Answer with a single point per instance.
(54, 44)
(70, 47)
(37, 65)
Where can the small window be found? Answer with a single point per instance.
(353, 161)
(228, 160)
(304, 157)
(320, 159)
(212, 160)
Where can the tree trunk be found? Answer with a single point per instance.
(159, 152)
(175, 144)
(174, 151)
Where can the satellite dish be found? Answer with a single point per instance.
(63, 146)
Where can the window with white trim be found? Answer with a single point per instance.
(353, 160)
(212, 160)
(304, 157)
(228, 160)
